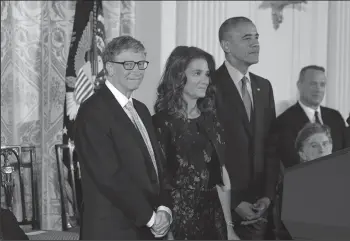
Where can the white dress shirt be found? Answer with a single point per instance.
(237, 76)
(123, 100)
(310, 113)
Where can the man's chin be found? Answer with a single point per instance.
(135, 84)
(316, 102)
(253, 61)
(134, 87)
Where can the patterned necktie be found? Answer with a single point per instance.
(317, 119)
(245, 97)
(142, 129)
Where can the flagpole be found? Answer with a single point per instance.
(94, 47)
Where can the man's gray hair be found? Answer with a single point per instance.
(119, 45)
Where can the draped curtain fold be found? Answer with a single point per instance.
(35, 39)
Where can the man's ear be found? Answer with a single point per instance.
(225, 46)
(109, 69)
(298, 84)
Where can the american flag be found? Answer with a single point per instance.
(83, 87)
(84, 69)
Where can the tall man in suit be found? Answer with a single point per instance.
(311, 86)
(246, 108)
(124, 196)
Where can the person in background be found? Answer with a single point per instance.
(308, 109)
(192, 142)
(119, 155)
(313, 141)
(246, 109)
(312, 86)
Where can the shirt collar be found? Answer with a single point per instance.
(309, 111)
(121, 98)
(235, 74)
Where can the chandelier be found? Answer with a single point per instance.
(277, 9)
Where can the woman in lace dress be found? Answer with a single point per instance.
(190, 137)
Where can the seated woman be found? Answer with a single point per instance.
(191, 139)
(313, 141)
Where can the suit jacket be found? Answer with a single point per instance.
(347, 133)
(347, 137)
(119, 182)
(9, 227)
(252, 174)
(291, 121)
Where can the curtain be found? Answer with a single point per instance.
(35, 38)
(338, 71)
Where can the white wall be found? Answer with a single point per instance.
(147, 30)
(338, 67)
(302, 39)
(155, 26)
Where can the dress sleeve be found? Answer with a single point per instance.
(162, 128)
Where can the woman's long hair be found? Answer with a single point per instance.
(170, 90)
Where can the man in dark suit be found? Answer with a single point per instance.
(246, 107)
(311, 86)
(123, 192)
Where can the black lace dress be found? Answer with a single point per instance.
(193, 170)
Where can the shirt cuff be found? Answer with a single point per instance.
(152, 220)
(166, 209)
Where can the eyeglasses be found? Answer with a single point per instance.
(129, 65)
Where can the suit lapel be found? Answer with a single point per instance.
(123, 119)
(301, 114)
(258, 108)
(231, 93)
(327, 119)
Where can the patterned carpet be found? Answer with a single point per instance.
(72, 234)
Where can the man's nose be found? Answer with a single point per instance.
(255, 43)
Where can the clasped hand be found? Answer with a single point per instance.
(161, 224)
(252, 213)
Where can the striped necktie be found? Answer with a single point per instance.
(142, 129)
(246, 98)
